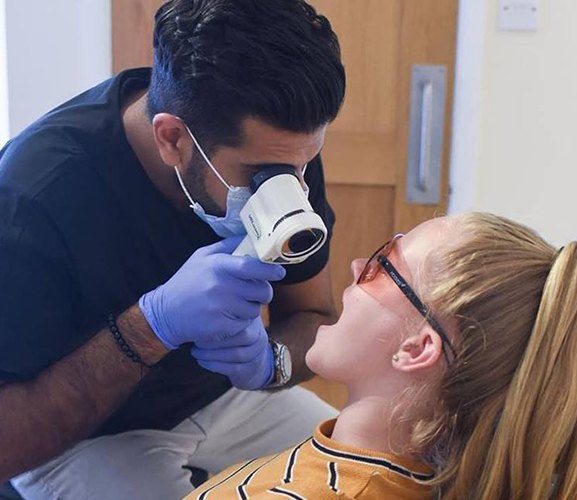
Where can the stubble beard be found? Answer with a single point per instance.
(195, 175)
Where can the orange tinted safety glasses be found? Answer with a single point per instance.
(379, 264)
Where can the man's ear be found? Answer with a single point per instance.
(172, 139)
(419, 351)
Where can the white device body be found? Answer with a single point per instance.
(281, 225)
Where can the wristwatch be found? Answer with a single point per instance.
(282, 364)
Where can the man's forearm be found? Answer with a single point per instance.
(41, 418)
(298, 333)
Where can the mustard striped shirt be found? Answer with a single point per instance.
(318, 469)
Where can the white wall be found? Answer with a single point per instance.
(467, 104)
(4, 127)
(514, 152)
(55, 49)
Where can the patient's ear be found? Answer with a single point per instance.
(419, 352)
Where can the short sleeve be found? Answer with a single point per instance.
(38, 297)
(315, 179)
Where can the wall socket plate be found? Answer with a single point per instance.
(518, 15)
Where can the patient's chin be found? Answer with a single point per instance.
(308, 356)
(312, 358)
(318, 360)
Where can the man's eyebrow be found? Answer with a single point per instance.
(262, 166)
(271, 164)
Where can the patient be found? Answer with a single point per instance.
(458, 346)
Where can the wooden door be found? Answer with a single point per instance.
(365, 154)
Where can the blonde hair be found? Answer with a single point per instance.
(506, 423)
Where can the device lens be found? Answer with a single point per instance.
(304, 240)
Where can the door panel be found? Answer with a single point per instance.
(365, 153)
(352, 156)
(366, 126)
(370, 29)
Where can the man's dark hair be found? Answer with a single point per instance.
(217, 62)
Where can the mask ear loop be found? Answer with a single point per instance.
(208, 162)
(193, 204)
(302, 181)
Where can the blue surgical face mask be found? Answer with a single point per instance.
(230, 224)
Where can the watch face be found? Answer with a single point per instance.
(286, 362)
(282, 364)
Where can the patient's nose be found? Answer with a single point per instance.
(357, 266)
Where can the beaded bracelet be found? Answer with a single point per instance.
(122, 344)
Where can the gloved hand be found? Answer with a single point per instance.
(212, 296)
(246, 358)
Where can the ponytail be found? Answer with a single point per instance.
(535, 434)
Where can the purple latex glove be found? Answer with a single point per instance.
(213, 296)
(246, 358)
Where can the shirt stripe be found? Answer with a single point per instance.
(333, 476)
(205, 493)
(288, 475)
(290, 494)
(241, 489)
(371, 461)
